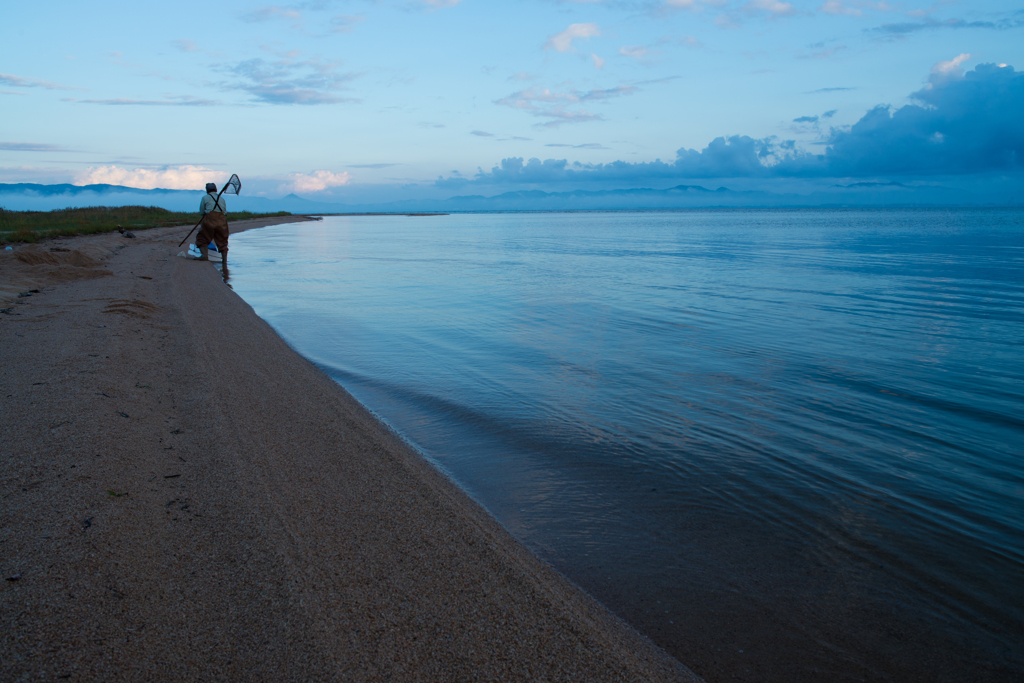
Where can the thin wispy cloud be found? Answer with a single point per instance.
(853, 9)
(642, 52)
(552, 104)
(735, 16)
(617, 91)
(900, 29)
(272, 12)
(31, 147)
(21, 82)
(345, 23)
(178, 101)
(638, 52)
(820, 51)
(438, 4)
(692, 5)
(290, 80)
(836, 7)
(773, 8)
(563, 41)
(587, 145)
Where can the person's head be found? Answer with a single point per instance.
(211, 187)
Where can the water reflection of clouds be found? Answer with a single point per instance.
(742, 401)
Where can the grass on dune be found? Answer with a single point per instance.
(32, 226)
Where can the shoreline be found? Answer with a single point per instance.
(184, 496)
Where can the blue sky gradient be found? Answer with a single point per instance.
(362, 101)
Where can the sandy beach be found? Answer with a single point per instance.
(186, 498)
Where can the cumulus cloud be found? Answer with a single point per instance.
(735, 156)
(317, 181)
(186, 45)
(168, 178)
(949, 69)
(562, 42)
(959, 124)
(965, 123)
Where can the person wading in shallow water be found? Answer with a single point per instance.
(215, 225)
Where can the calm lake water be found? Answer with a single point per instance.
(784, 444)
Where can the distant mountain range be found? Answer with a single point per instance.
(29, 196)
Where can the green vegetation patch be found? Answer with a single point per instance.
(32, 226)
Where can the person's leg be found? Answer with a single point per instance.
(202, 240)
(220, 237)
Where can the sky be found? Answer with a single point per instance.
(362, 100)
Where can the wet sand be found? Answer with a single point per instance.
(186, 498)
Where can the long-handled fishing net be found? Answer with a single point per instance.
(233, 186)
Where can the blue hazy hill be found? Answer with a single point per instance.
(36, 197)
